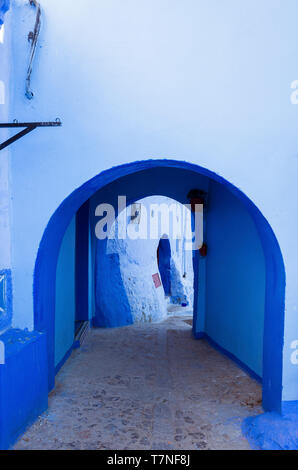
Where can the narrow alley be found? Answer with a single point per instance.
(146, 386)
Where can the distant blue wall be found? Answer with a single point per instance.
(110, 311)
(235, 293)
(4, 6)
(65, 295)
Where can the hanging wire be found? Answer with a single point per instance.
(33, 38)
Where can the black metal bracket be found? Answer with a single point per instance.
(28, 127)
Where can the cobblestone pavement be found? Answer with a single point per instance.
(146, 387)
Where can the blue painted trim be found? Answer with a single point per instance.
(231, 356)
(45, 268)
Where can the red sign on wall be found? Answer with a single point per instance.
(156, 280)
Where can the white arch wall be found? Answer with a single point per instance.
(207, 82)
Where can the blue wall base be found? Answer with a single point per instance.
(23, 383)
(272, 431)
(76, 345)
(199, 335)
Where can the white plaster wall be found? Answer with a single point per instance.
(138, 260)
(203, 81)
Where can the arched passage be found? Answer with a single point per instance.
(172, 179)
(127, 269)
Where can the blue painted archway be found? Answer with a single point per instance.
(174, 174)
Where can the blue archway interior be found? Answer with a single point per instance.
(172, 179)
(164, 264)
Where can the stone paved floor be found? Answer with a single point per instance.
(146, 387)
